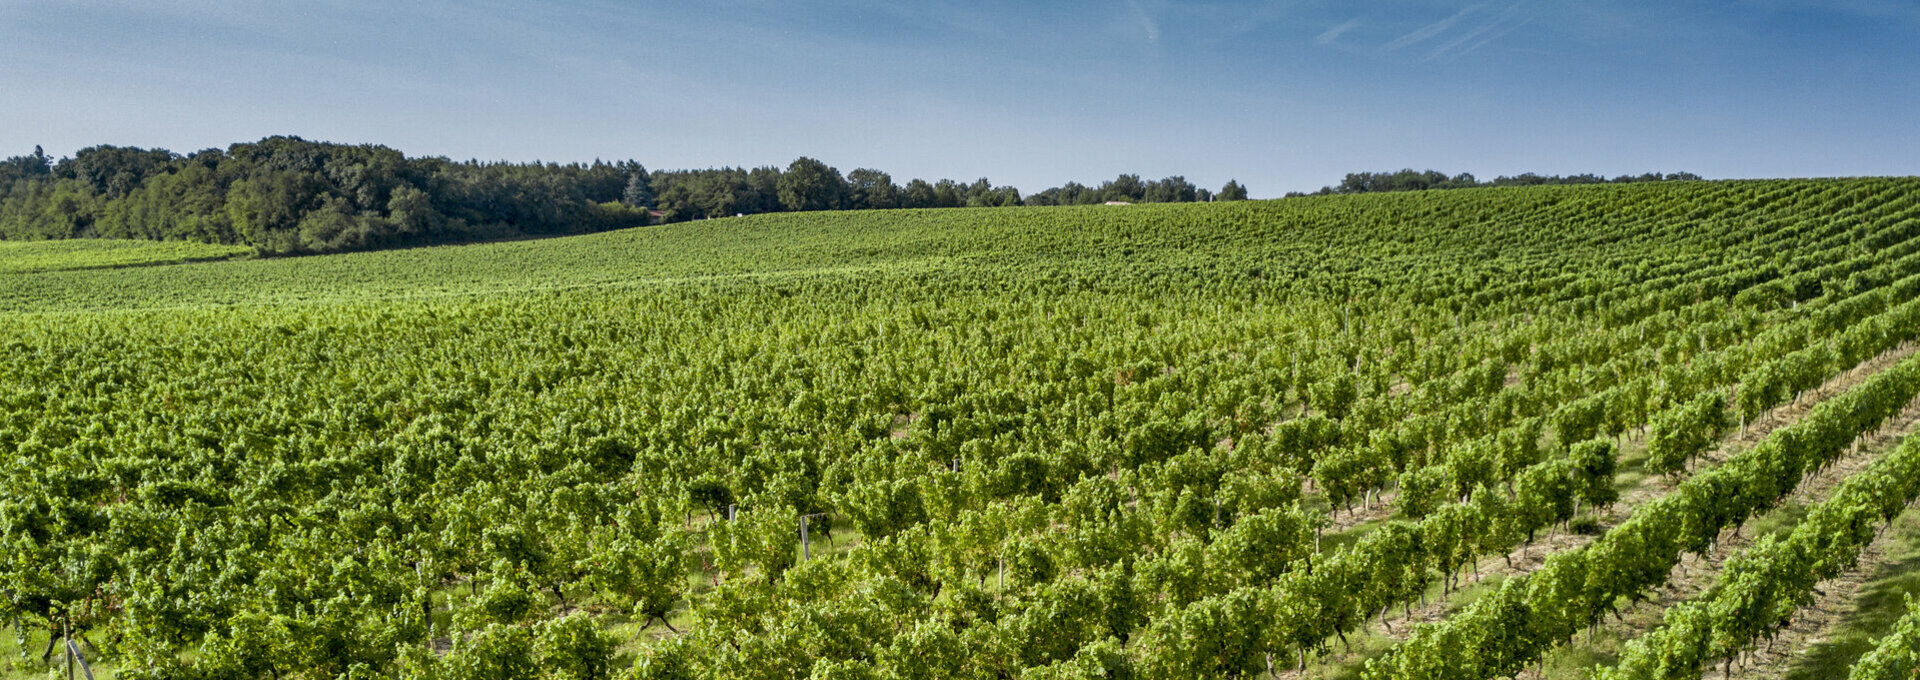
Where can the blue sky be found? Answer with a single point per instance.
(1283, 95)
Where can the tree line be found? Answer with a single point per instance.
(287, 195)
(808, 184)
(1421, 180)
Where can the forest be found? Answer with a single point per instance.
(290, 196)
(1422, 180)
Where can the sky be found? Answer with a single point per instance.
(1283, 95)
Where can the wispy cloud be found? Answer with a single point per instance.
(1428, 31)
(1147, 25)
(1332, 34)
(1507, 21)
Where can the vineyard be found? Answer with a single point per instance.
(1616, 431)
(46, 256)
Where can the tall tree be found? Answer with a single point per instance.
(809, 184)
(871, 189)
(1175, 189)
(639, 191)
(1124, 188)
(919, 194)
(1232, 192)
(949, 194)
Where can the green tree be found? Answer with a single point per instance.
(809, 184)
(1124, 188)
(919, 194)
(1174, 189)
(871, 189)
(413, 213)
(639, 191)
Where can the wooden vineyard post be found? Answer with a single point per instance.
(72, 652)
(73, 655)
(806, 547)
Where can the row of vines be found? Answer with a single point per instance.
(1158, 441)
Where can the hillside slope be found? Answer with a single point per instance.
(1049, 442)
(1332, 244)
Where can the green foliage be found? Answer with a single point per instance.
(1594, 463)
(1760, 588)
(1577, 587)
(1061, 442)
(809, 184)
(760, 538)
(1897, 654)
(1412, 180)
(288, 196)
(575, 648)
(26, 257)
(1680, 434)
